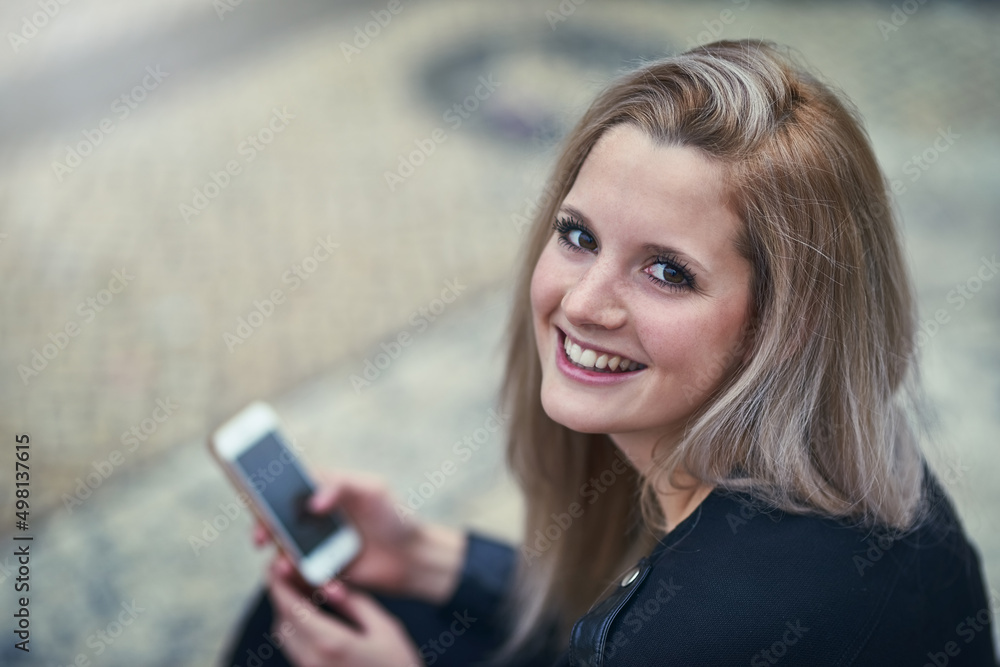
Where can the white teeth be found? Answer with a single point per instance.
(600, 360)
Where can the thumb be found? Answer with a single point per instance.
(358, 607)
(325, 499)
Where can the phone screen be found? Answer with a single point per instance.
(274, 473)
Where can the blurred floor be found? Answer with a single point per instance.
(345, 119)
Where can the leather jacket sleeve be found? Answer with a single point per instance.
(487, 575)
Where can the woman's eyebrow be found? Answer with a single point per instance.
(659, 250)
(652, 248)
(575, 212)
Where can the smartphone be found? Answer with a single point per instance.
(261, 461)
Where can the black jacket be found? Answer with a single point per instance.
(735, 585)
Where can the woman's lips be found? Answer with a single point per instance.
(591, 375)
(596, 360)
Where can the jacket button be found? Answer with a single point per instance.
(632, 575)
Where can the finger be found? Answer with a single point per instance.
(261, 535)
(356, 606)
(283, 566)
(332, 593)
(325, 499)
(293, 615)
(310, 625)
(289, 602)
(287, 569)
(345, 488)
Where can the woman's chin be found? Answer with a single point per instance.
(576, 418)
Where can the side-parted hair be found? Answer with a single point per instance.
(817, 416)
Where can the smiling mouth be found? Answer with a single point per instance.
(597, 362)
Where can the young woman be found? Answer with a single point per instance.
(711, 379)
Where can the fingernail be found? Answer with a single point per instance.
(335, 590)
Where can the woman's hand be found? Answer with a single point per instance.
(399, 555)
(310, 637)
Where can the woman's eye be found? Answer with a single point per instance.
(667, 273)
(574, 234)
(578, 237)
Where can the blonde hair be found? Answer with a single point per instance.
(815, 420)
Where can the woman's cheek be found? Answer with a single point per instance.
(669, 339)
(716, 351)
(687, 350)
(544, 283)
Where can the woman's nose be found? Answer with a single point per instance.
(595, 298)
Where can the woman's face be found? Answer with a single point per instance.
(642, 267)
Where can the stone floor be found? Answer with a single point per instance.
(345, 120)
